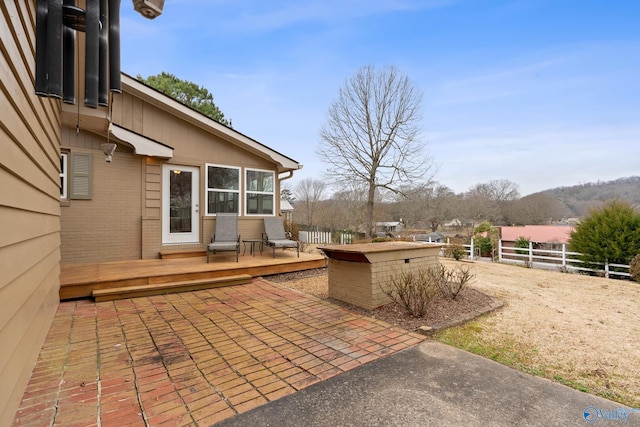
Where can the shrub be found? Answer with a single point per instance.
(451, 282)
(293, 228)
(486, 238)
(416, 290)
(455, 251)
(609, 234)
(485, 247)
(634, 268)
(522, 242)
(413, 290)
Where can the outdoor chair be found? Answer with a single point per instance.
(276, 237)
(226, 237)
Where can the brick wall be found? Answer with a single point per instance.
(364, 284)
(108, 226)
(351, 282)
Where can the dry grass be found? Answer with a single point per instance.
(577, 330)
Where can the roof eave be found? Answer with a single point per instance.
(139, 89)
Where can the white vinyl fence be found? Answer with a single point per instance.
(561, 259)
(324, 237)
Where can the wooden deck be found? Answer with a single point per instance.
(80, 280)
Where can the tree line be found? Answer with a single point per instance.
(421, 206)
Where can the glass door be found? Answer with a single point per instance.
(181, 204)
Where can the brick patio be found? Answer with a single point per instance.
(194, 358)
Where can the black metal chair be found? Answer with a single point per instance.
(276, 237)
(226, 237)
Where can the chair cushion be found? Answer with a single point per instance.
(283, 243)
(219, 246)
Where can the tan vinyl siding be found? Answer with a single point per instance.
(193, 146)
(29, 206)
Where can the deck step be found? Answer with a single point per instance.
(166, 288)
(182, 253)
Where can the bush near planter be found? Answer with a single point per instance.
(455, 251)
(416, 290)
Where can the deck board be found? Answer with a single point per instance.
(111, 294)
(79, 280)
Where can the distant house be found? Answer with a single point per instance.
(453, 223)
(541, 235)
(389, 228)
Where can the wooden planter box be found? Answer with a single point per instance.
(359, 274)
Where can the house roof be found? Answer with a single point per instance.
(538, 233)
(149, 94)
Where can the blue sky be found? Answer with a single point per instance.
(544, 93)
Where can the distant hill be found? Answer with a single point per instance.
(579, 199)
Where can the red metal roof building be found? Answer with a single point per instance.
(538, 233)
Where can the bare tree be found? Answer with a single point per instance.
(503, 190)
(309, 193)
(441, 205)
(490, 201)
(538, 208)
(345, 208)
(479, 205)
(504, 193)
(371, 135)
(427, 204)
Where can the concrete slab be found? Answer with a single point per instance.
(435, 384)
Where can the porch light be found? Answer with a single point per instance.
(108, 150)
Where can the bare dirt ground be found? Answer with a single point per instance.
(579, 330)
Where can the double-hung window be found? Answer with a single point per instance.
(259, 192)
(223, 189)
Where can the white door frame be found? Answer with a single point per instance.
(192, 236)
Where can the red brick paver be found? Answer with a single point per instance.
(194, 358)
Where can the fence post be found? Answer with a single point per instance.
(564, 254)
(531, 253)
(500, 250)
(471, 249)
(606, 269)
